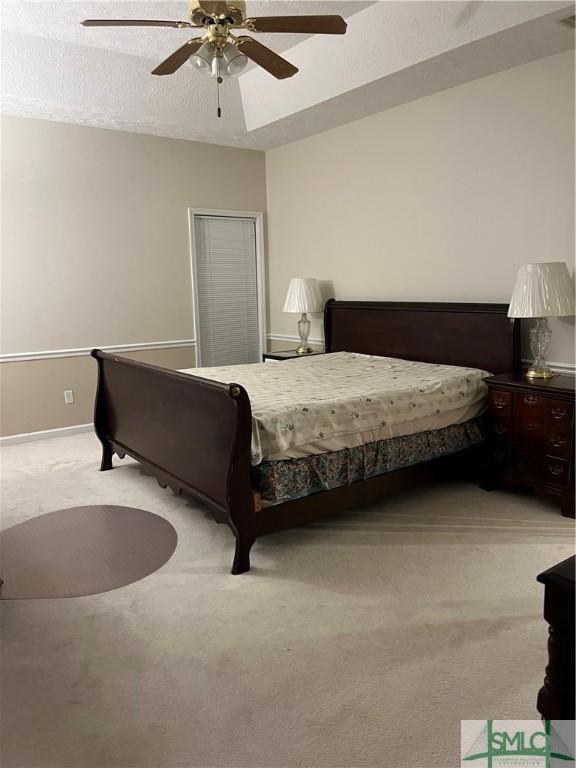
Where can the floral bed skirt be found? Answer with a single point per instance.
(290, 479)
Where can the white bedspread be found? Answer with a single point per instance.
(329, 402)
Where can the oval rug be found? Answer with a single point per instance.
(82, 551)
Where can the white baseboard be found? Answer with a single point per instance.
(28, 437)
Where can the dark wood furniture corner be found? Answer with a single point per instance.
(531, 436)
(287, 354)
(556, 697)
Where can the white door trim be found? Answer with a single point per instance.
(258, 217)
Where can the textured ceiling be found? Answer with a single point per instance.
(54, 68)
(60, 21)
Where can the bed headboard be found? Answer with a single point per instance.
(472, 335)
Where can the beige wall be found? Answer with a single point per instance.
(32, 391)
(440, 199)
(95, 250)
(95, 231)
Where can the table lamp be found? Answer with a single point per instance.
(303, 296)
(542, 291)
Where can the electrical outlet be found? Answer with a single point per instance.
(69, 396)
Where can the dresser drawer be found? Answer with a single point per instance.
(529, 408)
(527, 464)
(557, 472)
(530, 431)
(500, 403)
(560, 414)
(558, 444)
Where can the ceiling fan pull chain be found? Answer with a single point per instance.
(218, 82)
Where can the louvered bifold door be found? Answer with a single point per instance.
(226, 290)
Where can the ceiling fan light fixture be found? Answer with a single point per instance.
(234, 60)
(231, 62)
(203, 58)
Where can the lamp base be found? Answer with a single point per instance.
(539, 340)
(540, 373)
(304, 331)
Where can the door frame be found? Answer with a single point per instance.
(258, 217)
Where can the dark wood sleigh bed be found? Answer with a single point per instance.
(195, 434)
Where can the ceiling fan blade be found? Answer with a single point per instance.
(266, 58)
(178, 58)
(317, 25)
(215, 7)
(135, 23)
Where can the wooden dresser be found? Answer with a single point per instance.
(531, 436)
(556, 697)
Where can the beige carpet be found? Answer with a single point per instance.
(359, 641)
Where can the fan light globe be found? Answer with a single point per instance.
(202, 59)
(231, 63)
(234, 60)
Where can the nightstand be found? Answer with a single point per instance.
(531, 436)
(556, 697)
(286, 354)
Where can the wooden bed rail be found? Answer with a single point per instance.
(194, 435)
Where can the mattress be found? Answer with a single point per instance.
(323, 403)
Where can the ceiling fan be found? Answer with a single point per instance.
(221, 54)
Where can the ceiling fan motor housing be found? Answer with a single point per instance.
(236, 11)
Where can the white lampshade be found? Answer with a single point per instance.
(303, 295)
(542, 290)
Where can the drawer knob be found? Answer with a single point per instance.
(499, 402)
(557, 442)
(500, 429)
(556, 469)
(530, 427)
(530, 400)
(559, 413)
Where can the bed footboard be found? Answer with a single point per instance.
(192, 433)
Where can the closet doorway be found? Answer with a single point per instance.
(226, 251)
